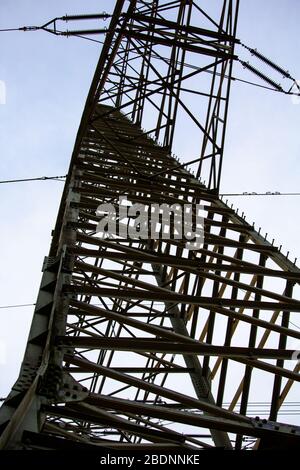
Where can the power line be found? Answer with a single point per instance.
(63, 177)
(268, 193)
(40, 178)
(17, 306)
(9, 29)
(30, 305)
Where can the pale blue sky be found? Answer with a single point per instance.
(47, 80)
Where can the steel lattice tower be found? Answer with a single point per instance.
(141, 343)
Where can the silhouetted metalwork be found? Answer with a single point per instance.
(138, 343)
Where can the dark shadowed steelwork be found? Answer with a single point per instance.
(138, 343)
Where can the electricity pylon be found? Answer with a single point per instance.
(142, 342)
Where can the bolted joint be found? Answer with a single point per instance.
(51, 381)
(281, 428)
(51, 263)
(59, 386)
(71, 390)
(68, 263)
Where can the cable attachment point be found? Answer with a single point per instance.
(264, 77)
(261, 57)
(29, 28)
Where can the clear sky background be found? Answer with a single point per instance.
(47, 79)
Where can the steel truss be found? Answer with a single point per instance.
(138, 343)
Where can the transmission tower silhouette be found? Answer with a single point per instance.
(140, 342)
